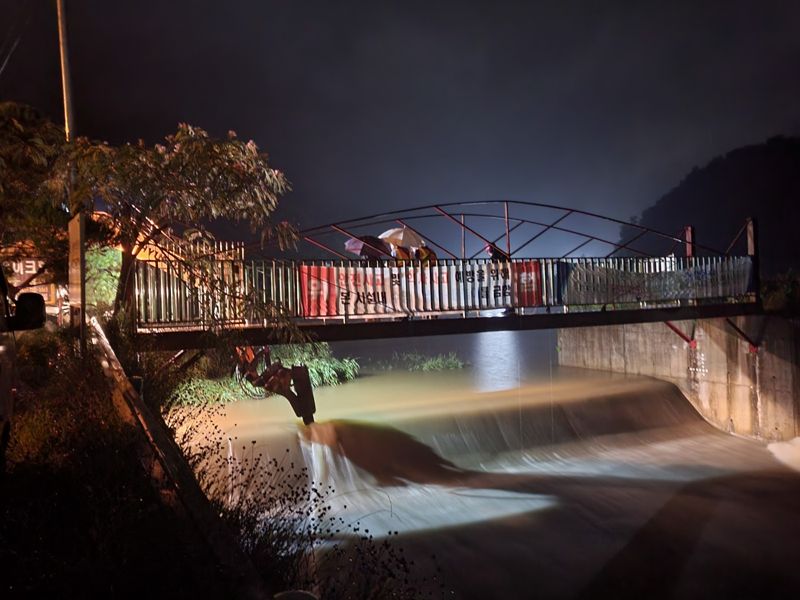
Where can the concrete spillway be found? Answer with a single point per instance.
(563, 487)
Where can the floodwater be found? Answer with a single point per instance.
(530, 481)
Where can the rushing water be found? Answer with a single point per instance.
(527, 480)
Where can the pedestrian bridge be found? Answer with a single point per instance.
(338, 300)
(182, 292)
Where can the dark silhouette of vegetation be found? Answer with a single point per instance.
(189, 179)
(33, 222)
(761, 181)
(286, 523)
(79, 517)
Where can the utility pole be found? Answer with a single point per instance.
(77, 225)
(66, 84)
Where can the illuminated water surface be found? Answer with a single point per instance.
(520, 476)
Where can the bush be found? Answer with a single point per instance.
(782, 293)
(323, 367)
(80, 517)
(198, 387)
(61, 398)
(102, 276)
(284, 521)
(198, 392)
(416, 361)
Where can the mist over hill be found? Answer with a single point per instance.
(761, 181)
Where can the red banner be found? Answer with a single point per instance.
(318, 291)
(527, 283)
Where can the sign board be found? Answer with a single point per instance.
(20, 270)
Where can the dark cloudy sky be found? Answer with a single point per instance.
(373, 105)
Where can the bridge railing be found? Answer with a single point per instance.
(231, 291)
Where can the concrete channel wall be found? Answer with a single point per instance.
(753, 392)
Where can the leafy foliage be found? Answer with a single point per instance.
(323, 367)
(102, 275)
(286, 523)
(202, 385)
(76, 503)
(55, 377)
(195, 391)
(33, 221)
(29, 146)
(416, 361)
(152, 191)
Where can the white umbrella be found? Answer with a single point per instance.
(402, 236)
(368, 246)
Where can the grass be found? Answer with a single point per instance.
(78, 515)
(285, 522)
(323, 367)
(416, 361)
(197, 388)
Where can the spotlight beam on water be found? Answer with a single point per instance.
(550, 478)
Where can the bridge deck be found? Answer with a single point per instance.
(343, 300)
(331, 331)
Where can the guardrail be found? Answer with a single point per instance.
(236, 291)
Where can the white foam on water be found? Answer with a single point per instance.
(362, 502)
(787, 453)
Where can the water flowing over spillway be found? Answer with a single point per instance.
(557, 485)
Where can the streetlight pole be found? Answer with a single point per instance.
(77, 225)
(66, 84)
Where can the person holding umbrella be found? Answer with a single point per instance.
(402, 240)
(369, 247)
(403, 237)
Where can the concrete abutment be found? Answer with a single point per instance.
(751, 393)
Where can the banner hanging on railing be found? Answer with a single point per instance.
(220, 290)
(317, 291)
(527, 283)
(354, 289)
(657, 279)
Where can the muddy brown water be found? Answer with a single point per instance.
(529, 481)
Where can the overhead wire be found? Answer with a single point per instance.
(7, 52)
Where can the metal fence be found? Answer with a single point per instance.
(236, 291)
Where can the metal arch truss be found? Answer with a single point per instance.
(471, 217)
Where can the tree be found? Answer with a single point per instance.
(185, 182)
(33, 218)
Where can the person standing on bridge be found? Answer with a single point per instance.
(495, 253)
(401, 253)
(425, 254)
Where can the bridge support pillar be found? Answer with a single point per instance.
(689, 340)
(752, 345)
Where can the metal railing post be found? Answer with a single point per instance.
(752, 252)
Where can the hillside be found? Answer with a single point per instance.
(762, 181)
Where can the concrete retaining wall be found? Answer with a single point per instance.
(756, 394)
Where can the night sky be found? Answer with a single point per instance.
(369, 106)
